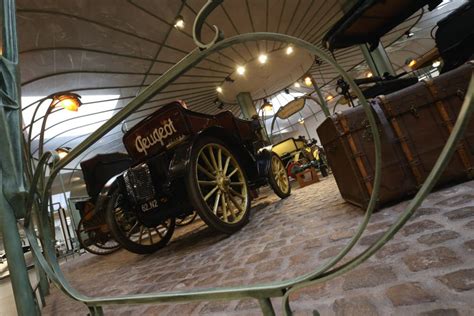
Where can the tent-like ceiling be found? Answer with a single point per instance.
(109, 50)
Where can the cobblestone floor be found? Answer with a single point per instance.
(427, 269)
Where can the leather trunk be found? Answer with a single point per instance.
(422, 117)
(348, 143)
(414, 124)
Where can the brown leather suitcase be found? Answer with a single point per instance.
(422, 117)
(348, 143)
(414, 124)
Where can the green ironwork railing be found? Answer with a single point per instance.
(262, 292)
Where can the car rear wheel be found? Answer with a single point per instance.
(278, 177)
(94, 238)
(217, 186)
(130, 232)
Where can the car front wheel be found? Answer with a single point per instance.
(217, 186)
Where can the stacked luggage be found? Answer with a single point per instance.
(414, 124)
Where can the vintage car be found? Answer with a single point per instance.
(184, 161)
(93, 232)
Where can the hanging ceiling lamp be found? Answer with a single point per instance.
(267, 106)
(68, 101)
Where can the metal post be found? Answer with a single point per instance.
(377, 60)
(244, 99)
(323, 103)
(12, 190)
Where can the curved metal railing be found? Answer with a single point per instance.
(262, 292)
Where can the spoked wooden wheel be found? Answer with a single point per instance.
(130, 232)
(94, 236)
(278, 177)
(217, 186)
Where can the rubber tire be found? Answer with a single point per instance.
(122, 239)
(273, 183)
(194, 193)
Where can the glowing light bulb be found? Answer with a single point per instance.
(297, 84)
(329, 98)
(308, 82)
(179, 22)
(262, 58)
(219, 89)
(241, 70)
(436, 64)
(301, 120)
(289, 50)
(369, 75)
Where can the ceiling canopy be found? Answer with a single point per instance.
(107, 51)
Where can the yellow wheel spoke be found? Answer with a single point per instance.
(237, 183)
(235, 203)
(207, 173)
(224, 208)
(219, 159)
(202, 182)
(232, 173)
(213, 158)
(216, 202)
(158, 232)
(230, 208)
(226, 165)
(236, 193)
(206, 161)
(211, 193)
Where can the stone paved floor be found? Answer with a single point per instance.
(427, 269)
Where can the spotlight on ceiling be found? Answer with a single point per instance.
(241, 70)
(329, 97)
(369, 75)
(307, 81)
(262, 58)
(179, 22)
(289, 50)
(436, 64)
(297, 84)
(69, 101)
(267, 106)
(301, 120)
(409, 34)
(219, 89)
(410, 62)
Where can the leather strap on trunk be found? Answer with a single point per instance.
(413, 163)
(357, 154)
(388, 131)
(441, 108)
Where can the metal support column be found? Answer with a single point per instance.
(378, 60)
(12, 189)
(244, 99)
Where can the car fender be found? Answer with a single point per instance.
(103, 197)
